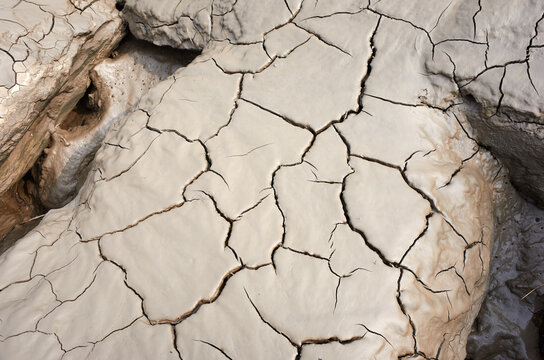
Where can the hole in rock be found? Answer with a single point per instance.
(86, 112)
(120, 5)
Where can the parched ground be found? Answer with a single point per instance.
(308, 187)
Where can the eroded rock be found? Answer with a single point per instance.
(47, 50)
(498, 67)
(52, 48)
(508, 324)
(116, 86)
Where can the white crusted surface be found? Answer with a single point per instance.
(118, 85)
(323, 201)
(192, 254)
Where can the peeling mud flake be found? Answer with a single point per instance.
(7, 80)
(24, 304)
(138, 341)
(282, 299)
(194, 108)
(232, 326)
(254, 244)
(368, 346)
(310, 220)
(338, 90)
(246, 154)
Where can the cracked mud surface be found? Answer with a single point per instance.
(295, 192)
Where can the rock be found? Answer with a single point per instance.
(180, 24)
(193, 24)
(48, 49)
(117, 85)
(296, 191)
(498, 66)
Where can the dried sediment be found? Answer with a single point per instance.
(296, 191)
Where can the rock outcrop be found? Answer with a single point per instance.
(47, 51)
(494, 52)
(116, 86)
(307, 187)
(181, 24)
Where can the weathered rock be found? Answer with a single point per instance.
(193, 24)
(48, 49)
(117, 85)
(294, 192)
(180, 24)
(17, 205)
(497, 63)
